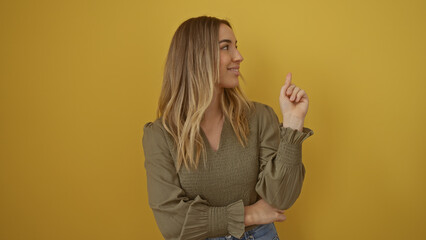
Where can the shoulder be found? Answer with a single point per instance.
(154, 133)
(266, 122)
(262, 111)
(155, 125)
(258, 106)
(156, 145)
(264, 116)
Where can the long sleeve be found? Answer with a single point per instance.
(281, 171)
(177, 216)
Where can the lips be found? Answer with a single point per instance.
(235, 69)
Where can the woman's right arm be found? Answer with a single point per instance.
(177, 216)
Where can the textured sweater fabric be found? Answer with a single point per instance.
(209, 202)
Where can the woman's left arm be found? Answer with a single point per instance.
(281, 172)
(281, 169)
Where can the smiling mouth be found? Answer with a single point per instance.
(235, 70)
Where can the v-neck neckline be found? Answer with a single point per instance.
(206, 140)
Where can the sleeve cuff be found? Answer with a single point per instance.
(227, 220)
(235, 212)
(294, 136)
(204, 221)
(290, 148)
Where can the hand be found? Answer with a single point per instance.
(294, 101)
(262, 213)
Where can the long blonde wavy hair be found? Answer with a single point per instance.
(190, 74)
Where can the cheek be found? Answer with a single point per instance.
(224, 60)
(222, 68)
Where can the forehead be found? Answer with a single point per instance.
(225, 32)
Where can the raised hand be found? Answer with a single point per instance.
(294, 101)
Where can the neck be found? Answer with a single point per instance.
(214, 112)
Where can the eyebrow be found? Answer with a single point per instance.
(227, 40)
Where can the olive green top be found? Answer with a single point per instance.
(209, 202)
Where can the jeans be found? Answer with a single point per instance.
(261, 232)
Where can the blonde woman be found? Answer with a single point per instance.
(218, 165)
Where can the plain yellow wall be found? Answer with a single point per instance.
(80, 78)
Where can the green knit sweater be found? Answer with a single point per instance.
(209, 202)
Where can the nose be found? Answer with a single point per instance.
(237, 56)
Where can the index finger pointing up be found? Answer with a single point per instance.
(287, 82)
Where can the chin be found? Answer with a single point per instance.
(229, 83)
(236, 83)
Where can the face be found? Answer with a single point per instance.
(230, 58)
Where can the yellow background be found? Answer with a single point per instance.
(80, 78)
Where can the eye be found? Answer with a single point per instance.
(226, 46)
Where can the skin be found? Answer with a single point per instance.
(293, 103)
(229, 57)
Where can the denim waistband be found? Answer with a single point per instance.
(266, 230)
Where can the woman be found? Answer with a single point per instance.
(251, 168)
